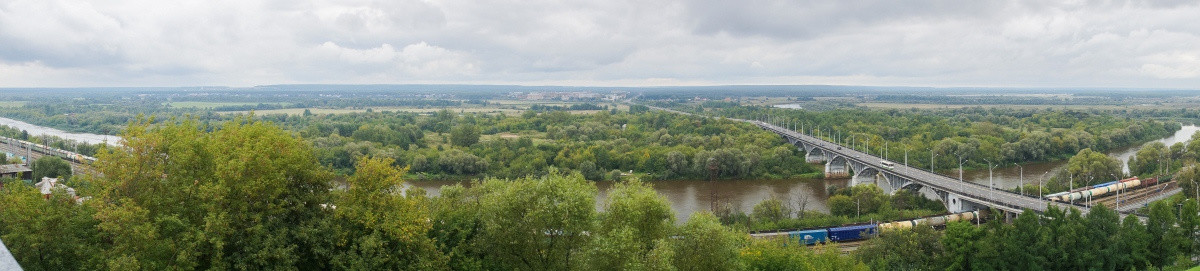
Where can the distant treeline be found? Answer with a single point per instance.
(573, 107)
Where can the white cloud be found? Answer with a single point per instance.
(617, 42)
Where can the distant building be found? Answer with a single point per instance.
(47, 186)
(17, 171)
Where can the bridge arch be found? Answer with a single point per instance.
(838, 166)
(815, 154)
(864, 175)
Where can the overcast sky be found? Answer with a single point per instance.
(1145, 44)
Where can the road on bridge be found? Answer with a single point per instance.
(996, 198)
(976, 193)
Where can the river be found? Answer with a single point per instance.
(687, 197)
(35, 130)
(1009, 176)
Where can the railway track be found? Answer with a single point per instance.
(1136, 196)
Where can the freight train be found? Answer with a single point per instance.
(863, 231)
(1101, 189)
(22, 145)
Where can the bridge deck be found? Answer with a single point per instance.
(993, 198)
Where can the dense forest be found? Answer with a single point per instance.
(601, 145)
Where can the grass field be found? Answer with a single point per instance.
(322, 111)
(502, 106)
(12, 103)
(213, 104)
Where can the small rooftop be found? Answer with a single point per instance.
(14, 168)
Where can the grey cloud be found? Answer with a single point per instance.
(925, 42)
(808, 18)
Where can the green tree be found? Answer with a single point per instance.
(1148, 160)
(781, 254)
(464, 135)
(1021, 247)
(915, 249)
(704, 244)
(842, 205)
(636, 205)
(1189, 181)
(1133, 245)
(1102, 225)
(1189, 224)
(1088, 164)
(960, 242)
(456, 161)
(634, 224)
(1164, 237)
(48, 234)
(677, 164)
(180, 197)
(378, 221)
(456, 226)
(536, 223)
(770, 210)
(50, 166)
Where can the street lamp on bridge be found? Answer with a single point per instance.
(991, 184)
(1041, 185)
(960, 170)
(1022, 187)
(931, 156)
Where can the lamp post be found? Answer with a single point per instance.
(960, 170)
(1022, 187)
(1041, 186)
(931, 156)
(991, 184)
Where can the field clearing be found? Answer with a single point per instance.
(466, 108)
(532, 102)
(323, 111)
(215, 104)
(1005, 106)
(766, 100)
(13, 103)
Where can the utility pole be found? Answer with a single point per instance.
(1119, 188)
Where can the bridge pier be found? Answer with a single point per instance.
(837, 168)
(815, 155)
(955, 203)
